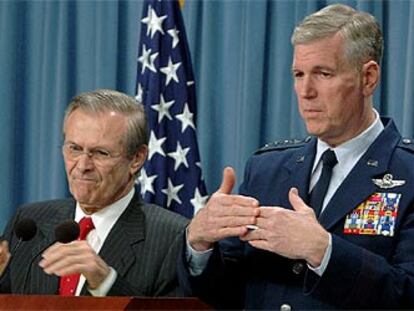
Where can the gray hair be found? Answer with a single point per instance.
(360, 30)
(99, 101)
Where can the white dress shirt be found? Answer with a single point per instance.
(103, 221)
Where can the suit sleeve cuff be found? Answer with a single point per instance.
(103, 289)
(326, 257)
(197, 261)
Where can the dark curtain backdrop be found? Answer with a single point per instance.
(52, 50)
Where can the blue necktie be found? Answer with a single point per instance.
(319, 191)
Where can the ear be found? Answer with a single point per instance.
(370, 77)
(139, 159)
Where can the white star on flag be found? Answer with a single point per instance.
(163, 108)
(186, 118)
(170, 71)
(154, 145)
(172, 192)
(174, 34)
(147, 19)
(198, 164)
(147, 60)
(198, 201)
(146, 182)
(153, 22)
(180, 156)
(138, 97)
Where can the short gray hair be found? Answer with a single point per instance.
(360, 30)
(102, 100)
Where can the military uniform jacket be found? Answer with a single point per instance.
(370, 270)
(142, 247)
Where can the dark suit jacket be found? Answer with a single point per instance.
(142, 247)
(364, 271)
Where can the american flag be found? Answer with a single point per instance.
(172, 175)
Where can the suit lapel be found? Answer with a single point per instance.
(298, 170)
(358, 185)
(117, 249)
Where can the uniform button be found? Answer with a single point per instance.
(298, 267)
(285, 307)
(407, 141)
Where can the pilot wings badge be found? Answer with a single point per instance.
(387, 182)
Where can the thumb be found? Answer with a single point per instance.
(228, 181)
(296, 201)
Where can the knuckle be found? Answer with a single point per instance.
(215, 196)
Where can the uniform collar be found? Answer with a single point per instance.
(349, 152)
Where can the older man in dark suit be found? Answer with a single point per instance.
(125, 247)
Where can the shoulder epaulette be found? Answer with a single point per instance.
(283, 144)
(407, 143)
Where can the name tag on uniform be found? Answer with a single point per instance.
(375, 216)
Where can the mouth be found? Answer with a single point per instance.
(83, 180)
(312, 109)
(312, 112)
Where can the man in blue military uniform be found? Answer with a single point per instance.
(285, 241)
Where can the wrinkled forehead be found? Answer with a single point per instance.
(328, 51)
(103, 126)
(104, 116)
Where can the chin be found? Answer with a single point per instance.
(83, 202)
(83, 198)
(315, 127)
(314, 131)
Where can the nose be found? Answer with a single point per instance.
(84, 162)
(305, 88)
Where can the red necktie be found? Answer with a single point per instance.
(69, 283)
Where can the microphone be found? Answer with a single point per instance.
(25, 230)
(67, 231)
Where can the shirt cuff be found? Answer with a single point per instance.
(197, 261)
(326, 257)
(106, 285)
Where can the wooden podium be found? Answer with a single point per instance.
(43, 302)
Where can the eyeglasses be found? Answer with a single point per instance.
(74, 152)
